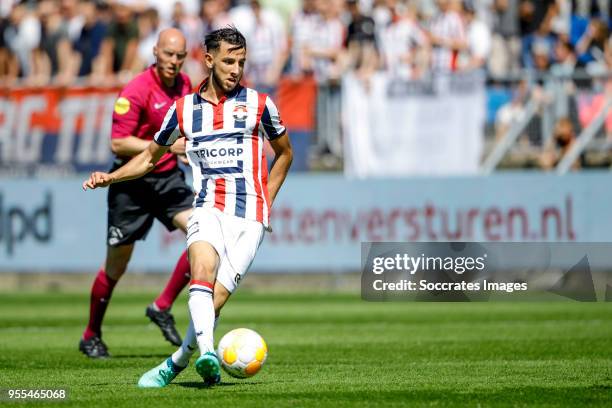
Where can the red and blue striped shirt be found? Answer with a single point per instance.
(224, 144)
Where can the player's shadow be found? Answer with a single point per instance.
(129, 356)
(198, 384)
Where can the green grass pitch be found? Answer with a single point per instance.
(334, 350)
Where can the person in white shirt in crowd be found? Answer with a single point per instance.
(505, 42)
(302, 32)
(23, 36)
(74, 18)
(478, 46)
(361, 46)
(213, 16)
(404, 44)
(148, 29)
(447, 35)
(166, 8)
(513, 111)
(188, 23)
(326, 52)
(267, 40)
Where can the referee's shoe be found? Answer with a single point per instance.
(93, 347)
(165, 321)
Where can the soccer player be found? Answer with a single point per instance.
(163, 194)
(225, 125)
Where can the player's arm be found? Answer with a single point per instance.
(146, 160)
(130, 146)
(137, 167)
(282, 162)
(275, 131)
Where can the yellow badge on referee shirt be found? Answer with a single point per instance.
(122, 106)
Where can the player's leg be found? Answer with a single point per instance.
(182, 356)
(165, 372)
(117, 259)
(129, 220)
(182, 273)
(173, 208)
(220, 298)
(241, 240)
(204, 261)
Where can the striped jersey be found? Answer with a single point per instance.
(225, 148)
(447, 26)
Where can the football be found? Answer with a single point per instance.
(242, 353)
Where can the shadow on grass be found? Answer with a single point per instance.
(129, 356)
(198, 384)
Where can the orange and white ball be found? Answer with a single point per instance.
(242, 353)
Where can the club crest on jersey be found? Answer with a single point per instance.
(240, 113)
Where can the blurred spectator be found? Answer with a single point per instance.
(532, 13)
(566, 62)
(361, 41)
(587, 8)
(9, 66)
(23, 37)
(187, 23)
(564, 136)
(512, 112)
(324, 52)
(539, 43)
(73, 17)
(561, 17)
(404, 45)
(5, 8)
(447, 36)
(564, 93)
(119, 48)
(302, 29)
(167, 8)
(53, 56)
(540, 56)
(212, 17)
(89, 41)
(267, 44)
(148, 31)
(591, 47)
(285, 8)
(382, 13)
(478, 38)
(505, 42)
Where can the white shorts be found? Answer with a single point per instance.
(235, 239)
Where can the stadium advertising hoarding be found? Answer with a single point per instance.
(319, 222)
(56, 131)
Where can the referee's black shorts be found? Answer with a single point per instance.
(134, 204)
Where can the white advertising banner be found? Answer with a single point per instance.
(394, 128)
(319, 222)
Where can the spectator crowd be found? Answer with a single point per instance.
(107, 42)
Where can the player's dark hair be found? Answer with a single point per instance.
(229, 34)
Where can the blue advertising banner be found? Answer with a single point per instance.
(318, 222)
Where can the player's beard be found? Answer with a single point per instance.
(219, 84)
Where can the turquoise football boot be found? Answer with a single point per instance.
(161, 375)
(209, 369)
